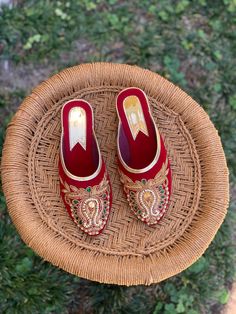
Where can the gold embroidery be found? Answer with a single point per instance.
(90, 206)
(148, 199)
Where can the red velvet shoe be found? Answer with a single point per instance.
(143, 163)
(84, 182)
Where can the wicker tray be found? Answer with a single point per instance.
(128, 252)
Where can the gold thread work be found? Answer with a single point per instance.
(127, 252)
(148, 199)
(89, 207)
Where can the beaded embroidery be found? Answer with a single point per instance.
(148, 199)
(89, 206)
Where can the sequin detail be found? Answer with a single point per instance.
(89, 207)
(148, 199)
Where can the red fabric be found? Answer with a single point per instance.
(153, 171)
(143, 148)
(80, 162)
(82, 184)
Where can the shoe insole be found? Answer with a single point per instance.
(138, 134)
(80, 149)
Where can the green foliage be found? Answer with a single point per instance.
(190, 43)
(172, 65)
(223, 296)
(10, 100)
(28, 284)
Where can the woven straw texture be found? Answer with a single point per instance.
(128, 252)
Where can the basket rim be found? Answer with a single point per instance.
(122, 271)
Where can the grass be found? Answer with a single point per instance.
(192, 44)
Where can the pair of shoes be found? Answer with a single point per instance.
(142, 160)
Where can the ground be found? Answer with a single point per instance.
(191, 43)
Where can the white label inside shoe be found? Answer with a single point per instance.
(77, 127)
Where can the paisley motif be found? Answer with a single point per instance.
(89, 207)
(90, 210)
(148, 199)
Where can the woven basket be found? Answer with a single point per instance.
(128, 252)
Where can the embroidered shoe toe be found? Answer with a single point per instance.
(142, 158)
(85, 185)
